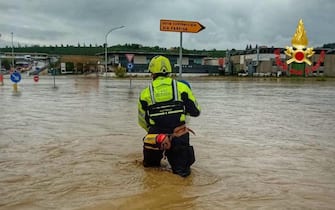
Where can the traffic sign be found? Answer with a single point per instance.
(36, 78)
(15, 77)
(181, 26)
(130, 66)
(130, 57)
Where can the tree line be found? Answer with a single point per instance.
(96, 49)
(329, 45)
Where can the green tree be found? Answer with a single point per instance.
(120, 72)
(6, 63)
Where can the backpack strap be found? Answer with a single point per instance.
(174, 89)
(151, 88)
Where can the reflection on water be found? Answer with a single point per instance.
(78, 146)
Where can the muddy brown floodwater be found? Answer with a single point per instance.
(259, 145)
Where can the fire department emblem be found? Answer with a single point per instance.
(299, 52)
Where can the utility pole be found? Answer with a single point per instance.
(12, 51)
(106, 53)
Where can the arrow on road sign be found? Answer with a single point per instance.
(15, 77)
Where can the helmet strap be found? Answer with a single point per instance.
(154, 76)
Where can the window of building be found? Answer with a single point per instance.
(197, 61)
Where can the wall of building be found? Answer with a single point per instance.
(140, 59)
(329, 65)
(265, 67)
(211, 61)
(267, 63)
(82, 63)
(80, 59)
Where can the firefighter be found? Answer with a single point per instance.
(162, 110)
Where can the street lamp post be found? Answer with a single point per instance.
(12, 51)
(112, 29)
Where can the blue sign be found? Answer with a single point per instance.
(15, 77)
(130, 66)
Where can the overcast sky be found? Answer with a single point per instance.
(229, 23)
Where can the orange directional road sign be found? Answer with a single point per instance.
(181, 26)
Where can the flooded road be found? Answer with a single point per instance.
(258, 144)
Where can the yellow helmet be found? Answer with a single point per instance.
(160, 64)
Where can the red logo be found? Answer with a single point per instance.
(299, 53)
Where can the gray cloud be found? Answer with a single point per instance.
(229, 24)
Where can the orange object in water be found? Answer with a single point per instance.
(1, 79)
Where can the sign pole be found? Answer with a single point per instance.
(130, 82)
(15, 87)
(15, 77)
(180, 54)
(54, 75)
(130, 65)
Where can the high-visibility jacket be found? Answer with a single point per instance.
(165, 104)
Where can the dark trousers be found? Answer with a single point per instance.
(180, 156)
